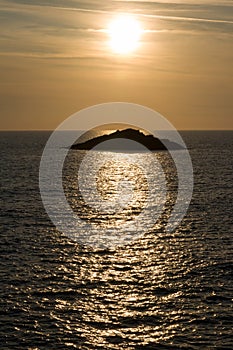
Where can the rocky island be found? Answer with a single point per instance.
(149, 141)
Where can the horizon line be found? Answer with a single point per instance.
(52, 130)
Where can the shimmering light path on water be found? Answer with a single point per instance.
(164, 291)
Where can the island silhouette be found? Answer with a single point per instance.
(120, 143)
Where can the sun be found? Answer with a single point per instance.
(125, 32)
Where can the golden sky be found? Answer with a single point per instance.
(55, 59)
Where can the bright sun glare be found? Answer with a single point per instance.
(125, 33)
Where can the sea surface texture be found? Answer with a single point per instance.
(158, 291)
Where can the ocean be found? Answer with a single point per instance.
(161, 290)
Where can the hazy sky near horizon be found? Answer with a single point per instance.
(55, 59)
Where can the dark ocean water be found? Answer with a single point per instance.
(163, 291)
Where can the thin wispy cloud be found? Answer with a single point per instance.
(70, 25)
(98, 7)
(56, 51)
